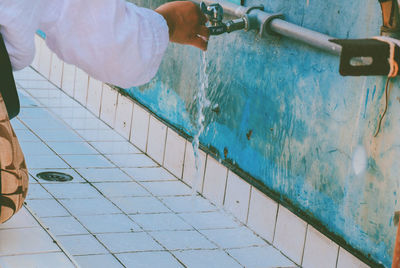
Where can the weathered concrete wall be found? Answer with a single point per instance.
(305, 120)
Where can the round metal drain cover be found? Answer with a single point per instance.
(54, 176)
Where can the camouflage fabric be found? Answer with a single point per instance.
(13, 171)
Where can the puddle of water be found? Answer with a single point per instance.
(202, 103)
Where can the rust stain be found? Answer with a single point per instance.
(226, 152)
(248, 135)
(216, 110)
(396, 218)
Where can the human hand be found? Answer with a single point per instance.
(186, 23)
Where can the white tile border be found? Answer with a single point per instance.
(217, 183)
(174, 153)
(123, 116)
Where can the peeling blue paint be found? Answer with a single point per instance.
(306, 120)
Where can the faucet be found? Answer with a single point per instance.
(215, 14)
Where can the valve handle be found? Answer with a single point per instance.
(214, 12)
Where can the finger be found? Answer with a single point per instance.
(202, 18)
(199, 43)
(204, 31)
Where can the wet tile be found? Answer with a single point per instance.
(209, 220)
(25, 135)
(36, 112)
(237, 196)
(64, 226)
(94, 206)
(27, 74)
(126, 242)
(290, 234)
(47, 208)
(123, 117)
(22, 219)
(149, 260)
(167, 188)
(82, 244)
(346, 260)
(85, 123)
(36, 191)
(215, 181)
(36, 84)
(150, 174)
(45, 161)
(234, 238)
(95, 90)
(36, 148)
(103, 174)
(96, 261)
(100, 135)
(140, 205)
(206, 258)
(58, 135)
(56, 70)
(81, 86)
(132, 160)
(68, 79)
(117, 147)
(43, 126)
(85, 161)
(182, 240)
(260, 257)
(72, 148)
(73, 113)
(191, 175)
(121, 189)
(319, 250)
(262, 214)
(43, 260)
(140, 127)
(25, 241)
(48, 94)
(16, 124)
(108, 105)
(156, 139)
(72, 190)
(114, 223)
(174, 153)
(45, 61)
(160, 222)
(188, 204)
(59, 102)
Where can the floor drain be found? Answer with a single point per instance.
(54, 176)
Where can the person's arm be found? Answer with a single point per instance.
(117, 42)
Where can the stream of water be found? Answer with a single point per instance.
(202, 103)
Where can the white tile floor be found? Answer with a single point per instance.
(121, 209)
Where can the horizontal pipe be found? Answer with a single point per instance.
(282, 27)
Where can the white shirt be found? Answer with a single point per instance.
(112, 40)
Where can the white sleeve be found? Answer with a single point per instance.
(112, 40)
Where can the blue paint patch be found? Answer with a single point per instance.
(302, 114)
(366, 103)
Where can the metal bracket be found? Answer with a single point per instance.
(249, 9)
(265, 24)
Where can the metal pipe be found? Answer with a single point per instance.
(282, 27)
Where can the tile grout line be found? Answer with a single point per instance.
(53, 237)
(157, 198)
(248, 205)
(164, 155)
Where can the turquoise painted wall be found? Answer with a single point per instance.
(306, 120)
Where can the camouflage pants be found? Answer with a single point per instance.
(13, 171)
